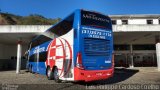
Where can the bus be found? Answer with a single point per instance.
(78, 48)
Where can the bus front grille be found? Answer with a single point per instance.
(97, 47)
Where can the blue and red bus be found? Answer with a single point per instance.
(78, 48)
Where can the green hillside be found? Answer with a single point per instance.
(34, 19)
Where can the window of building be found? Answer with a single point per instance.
(149, 21)
(121, 47)
(12, 57)
(114, 22)
(124, 22)
(159, 21)
(144, 47)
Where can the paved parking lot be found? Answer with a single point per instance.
(9, 80)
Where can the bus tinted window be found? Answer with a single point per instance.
(34, 43)
(95, 20)
(64, 26)
(60, 29)
(43, 39)
(40, 40)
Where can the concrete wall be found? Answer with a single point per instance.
(136, 21)
(155, 21)
(8, 51)
(119, 22)
(23, 28)
(136, 28)
(1, 51)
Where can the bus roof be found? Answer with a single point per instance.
(64, 19)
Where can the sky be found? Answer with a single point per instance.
(62, 8)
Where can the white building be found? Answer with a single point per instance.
(135, 41)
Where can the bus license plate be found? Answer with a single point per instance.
(99, 74)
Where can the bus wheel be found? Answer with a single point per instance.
(49, 74)
(56, 75)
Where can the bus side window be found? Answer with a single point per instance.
(65, 26)
(44, 39)
(35, 43)
(31, 59)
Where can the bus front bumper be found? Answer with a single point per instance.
(92, 75)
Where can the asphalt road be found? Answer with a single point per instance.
(123, 79)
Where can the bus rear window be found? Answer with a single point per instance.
(95, 20)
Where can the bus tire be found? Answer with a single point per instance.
(49, 74)
(56, 75)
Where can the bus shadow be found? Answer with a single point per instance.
(10, 69)
(119, 76)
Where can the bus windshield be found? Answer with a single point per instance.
(95, 20)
